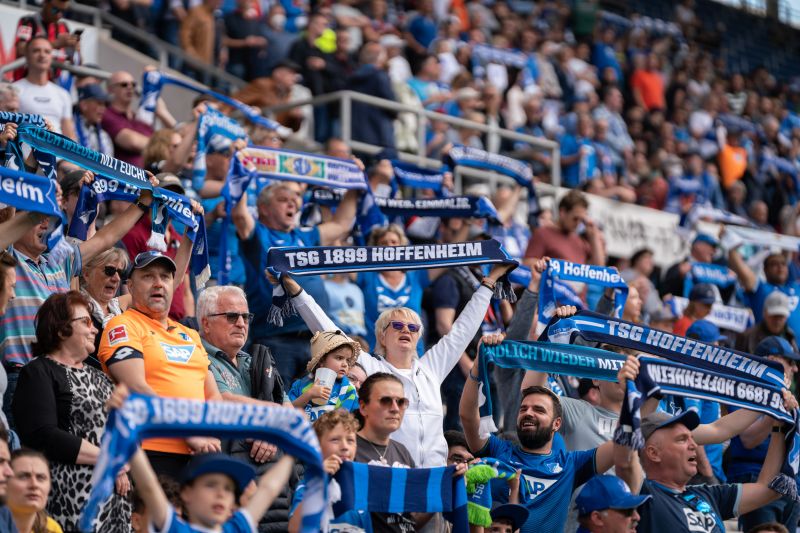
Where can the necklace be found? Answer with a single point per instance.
(382, 456)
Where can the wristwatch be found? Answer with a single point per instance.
(144, 207)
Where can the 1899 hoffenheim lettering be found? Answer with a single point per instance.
(385, 254)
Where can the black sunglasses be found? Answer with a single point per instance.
(387, 401)
(125, 84)
(233, 318)
(110, 271)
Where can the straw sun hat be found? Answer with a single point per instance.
(324, 342)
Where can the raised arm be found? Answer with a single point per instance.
(242, 219)
(746, 276)
(16, 227)
(269, 486)
(755, 495)
(468, 408)
(149, 489)
(342, 222)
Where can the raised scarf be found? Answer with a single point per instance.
(167, 205)
(450, 207)
(142, 417)
(553, 358)
(384, 489)
(238, 180)
(484, 53)
(414, 177)
(721, 276)
(22, 118)
(319, 170)
(28, 192)
(559, 271)
(211, 124)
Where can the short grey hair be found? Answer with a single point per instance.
(269, 191)
(208, 299)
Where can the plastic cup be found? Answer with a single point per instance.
(324, 377)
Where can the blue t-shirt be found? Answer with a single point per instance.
(214, 233)
(382, 297)
(7, 521)
(343, 396)
(549, 480)
(423, 29)
(700, 508)
(353, 517)
(240, 522)
(755, 301)
(346, 306)
(259, 291)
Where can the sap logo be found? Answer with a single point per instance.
(697, 521)
(536, 486)
(177, 354)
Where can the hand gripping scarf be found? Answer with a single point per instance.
(553, 358)
(319, 170)
(384, 489)
(167, 205)
(211, 124)
(143, 417)
(479, 491)
(154, 81)
(550, 296)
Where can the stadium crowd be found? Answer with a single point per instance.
(390, 365)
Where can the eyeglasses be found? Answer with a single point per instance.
(388, 401)
(125, 84)
(624, 512)
(233, 318)
(459, 459)
(398, 325)
(109, 271)
(87, 320)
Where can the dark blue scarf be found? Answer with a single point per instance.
(414, 177)
(450, 207)
(212, 123)
(143, 417)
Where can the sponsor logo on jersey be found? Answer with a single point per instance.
(536, 486)
(178, 353)
(117, 334)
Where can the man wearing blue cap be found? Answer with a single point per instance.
(701, 300)
(669, 461)
(606, 505)
(92, 103)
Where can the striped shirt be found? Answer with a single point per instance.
(36, 280)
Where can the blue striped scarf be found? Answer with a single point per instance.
(553, 358)
(211, 124)
(384, 489)
(558, 271)
(143, 417)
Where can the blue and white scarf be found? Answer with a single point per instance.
(22, 118)
(319, 170)
(483, 53)
(559, 271)
(553, 358)
(414, 177)
(167, 205)
(719, 275)
(28, 192)
(154, 81)
(211, 124)
(617, 332)
(384, 489)
(564, 294)
(142, 417)
(450, 207)
(236, 183)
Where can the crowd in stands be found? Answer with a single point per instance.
(642, 114)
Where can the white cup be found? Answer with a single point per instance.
(324, 377)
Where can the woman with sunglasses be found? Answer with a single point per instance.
(59, 410)
(397, 332)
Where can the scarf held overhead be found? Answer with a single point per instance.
(319, 170)
(28, 192)
(211, 124)
(597, 328)
(450, 207)
(408, 175)
(143, 417)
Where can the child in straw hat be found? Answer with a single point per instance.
(335, 351)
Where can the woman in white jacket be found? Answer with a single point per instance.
(421, 431)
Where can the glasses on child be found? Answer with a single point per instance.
(398, 325)
(233, 318)
(388, 401)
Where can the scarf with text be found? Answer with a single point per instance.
(384, 489)
(212, 124)
(727, 317)
(28, 192)
(560, 271)
(659, 376)
(450, 207)
(167, 205)
(483, 54)
(553, 358)
(143, 417)
(719, 275)
(479, 491)
(154, 81)
(22, 118)
(317, 260)
(319, 170)
(414, 177)
(617, 332)
(519, 171)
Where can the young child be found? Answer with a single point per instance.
(506, 518)
(336, 432)
(335, 351)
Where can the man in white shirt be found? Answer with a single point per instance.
(39, 95)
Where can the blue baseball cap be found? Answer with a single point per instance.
(218, 463)
(703, 293)
(607, 492)
(518, 514)
(706, 238)
(705, 331)
(145, 258)
(660, 420)
(775, 345)
(92, 91)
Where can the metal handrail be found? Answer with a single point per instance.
(346, 98)
(75, 69)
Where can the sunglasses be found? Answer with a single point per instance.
(398, 325)
(126, 84)
(110, 271)
(87, 320)
(624, 512)
(233, 318)
(388, 401)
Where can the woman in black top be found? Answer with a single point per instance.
(59, 409)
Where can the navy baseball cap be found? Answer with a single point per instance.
(706, 238)
(607, 492)
(703, 293)
(218, 463)
(518, 514)
(775, 345)
(659, 420)
(145, 258)
(92, 91)
(703, 330)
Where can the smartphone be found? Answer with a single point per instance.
(77, 33)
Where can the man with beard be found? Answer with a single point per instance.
(6, 520)
(549, 471)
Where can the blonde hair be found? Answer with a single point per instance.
(383, 322)
(378, 233)
(158, 147)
